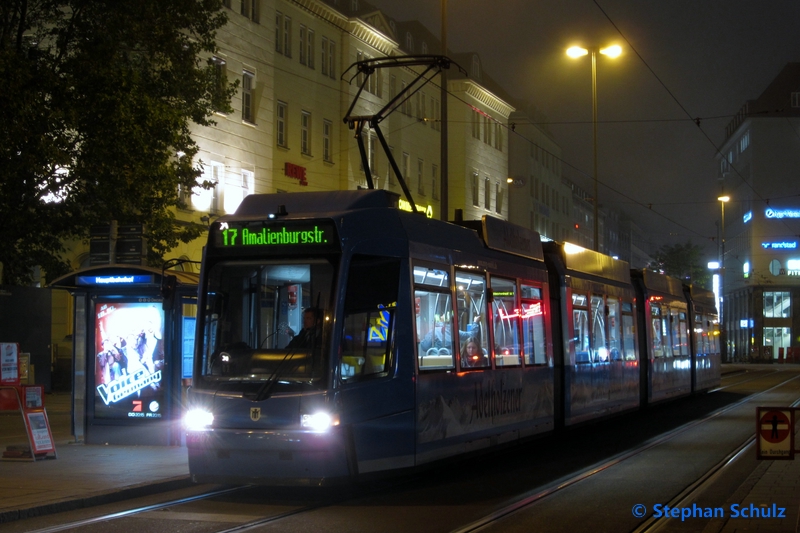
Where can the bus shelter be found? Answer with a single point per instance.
(132, 344)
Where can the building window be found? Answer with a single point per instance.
(435, 182)
(250, 9)
(476, 125)
(324, 60)
(331, 59)
(406, 169)
(220, 76)
(744, 142)
(777, 305)
(310, 48)
(796, 99)
(487, 193)
(405, 106)
(474, 186)
(282, 134)
(424, 48)
(209, 199)
(390, 175)
(302, 49)
(327, 129)
(437, 114)
(476, 68)
(421, 177)
(237, 186)
(287, 36)
(279, 32)
(498, 198)
(409, 43)
(305, 132)
(248, 113)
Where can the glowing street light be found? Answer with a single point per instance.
(576, 52)
(723, 330)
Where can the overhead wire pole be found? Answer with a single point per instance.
(444, 192)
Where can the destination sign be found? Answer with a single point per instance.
(266, 235)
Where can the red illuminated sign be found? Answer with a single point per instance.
(533, 310)
(297, 172)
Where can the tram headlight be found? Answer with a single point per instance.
(319, 422)
(197, 420)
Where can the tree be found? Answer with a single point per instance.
(683, 261)
(99, 97)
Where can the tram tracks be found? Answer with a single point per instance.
(687, 495)
(492, 518)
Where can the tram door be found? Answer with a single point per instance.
(374, 390)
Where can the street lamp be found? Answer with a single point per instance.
(723, 330)
(575, 52)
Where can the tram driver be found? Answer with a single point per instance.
(311, 334)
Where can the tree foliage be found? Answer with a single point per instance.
(683, 261)
(99, 97)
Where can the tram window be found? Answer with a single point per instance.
(471, 303)
(530, 292)
(253, 310)
(505, 321)
(682, 335)
(599, 345)
(700, 336)
(614, 340)
(533, 325)
(580, 328)
(655, 324)
(368, 321)
(431, 276)
(434, 323)
(629, 336)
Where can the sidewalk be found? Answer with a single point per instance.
(82, 475)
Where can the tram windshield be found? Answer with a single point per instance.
(264, 324)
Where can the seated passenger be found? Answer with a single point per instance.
(472, 355)
(441, 336)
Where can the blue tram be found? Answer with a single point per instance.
(340, 336)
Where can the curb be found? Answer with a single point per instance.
(97, 499)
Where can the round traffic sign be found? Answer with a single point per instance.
(775, 426)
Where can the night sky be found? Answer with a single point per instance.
(699, 58)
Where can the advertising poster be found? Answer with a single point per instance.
(129, 365)
(39, 431)
(9, 364)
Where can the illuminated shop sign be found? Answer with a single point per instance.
(405, 205)
(781, 245)
(793, 267)
(782, 213)
(133, 279)
(746, 323)
(747, 217)
(245, 235)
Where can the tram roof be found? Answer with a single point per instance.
(579, 259)
(655, 281)
(257, 205)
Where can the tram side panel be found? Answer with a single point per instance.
(665, 346)
(598, 345)
(705, 338)
(501, 393)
